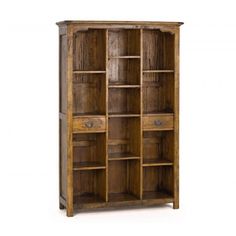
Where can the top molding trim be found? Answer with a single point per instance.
(134, 23)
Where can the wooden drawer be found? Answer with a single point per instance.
(158, 122)
(89, 124)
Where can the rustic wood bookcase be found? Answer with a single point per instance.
(118, 114)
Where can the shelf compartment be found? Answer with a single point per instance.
(158, 147)
(123, 42)
(158, 93)
(157, 182)
(124, 180)
(89, 94)
(124, 72)
(158, 50)
(124, 101)
(124, 137)
(89, 186)
(89, 50)
(89, 151)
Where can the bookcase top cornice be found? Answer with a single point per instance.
(134, 23)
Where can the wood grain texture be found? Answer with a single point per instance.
(118, 114)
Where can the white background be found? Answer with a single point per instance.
(29, 119)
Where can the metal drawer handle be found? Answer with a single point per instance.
(89, 124)
(157, 122)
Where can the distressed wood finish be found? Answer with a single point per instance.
(118, 114)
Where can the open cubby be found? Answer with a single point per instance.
(123, 42)
(119, 114)
(157, 182)
(158, 148)
(124, 71)
(124, 180)
(89, 186)
(124, 101)
(89, 50)
(158, 50)
(89, 150)
(123, 138)
(89, 94)
(158, 93)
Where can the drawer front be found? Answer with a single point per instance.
(88, 124)
(158, 122)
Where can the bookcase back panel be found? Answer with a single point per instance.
(127, 101)
(124, 71)
(124, 42)
(158, 92)
(89, 149)
(89, 94)
(90, 50)
(158, 179)
(158, 50)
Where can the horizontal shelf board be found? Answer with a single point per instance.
(117, 141)
(118, 197)
(89, 71)
(83, 143)
(88, 115)
(158, 114)
(122, 156)
(124, 86)
(88, 166)
(87, 198)
(156, 195)
(123, 115)
(156, 162)
(124, 57)
(158, 71)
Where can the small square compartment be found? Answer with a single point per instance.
(158, 93)
(89, 186)
(124, 101)
(89, 150)
(158, 50)
(124, 137)
(124, 71)
(124, 42)
(157, 182)
(158, 147)
(89, 94)
(124, 180)
(90, 50)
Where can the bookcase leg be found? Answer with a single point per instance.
(69, 212)
(176, 204)
(61, 206)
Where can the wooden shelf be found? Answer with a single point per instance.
(118, 197)
(123, 115)
(124, 86)
(124, 57)
(156, 162)
(88, 115)
(87, 198)
(122, 156)
(89, 71)
(88, 166)
(158, 71)
(156, 195)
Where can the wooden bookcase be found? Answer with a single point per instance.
(119, 114)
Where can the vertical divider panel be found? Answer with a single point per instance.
(176, 122)
(107, 73)
(69, 75)
(141, 113)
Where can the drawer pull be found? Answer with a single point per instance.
(157, 122)
(89, 124)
